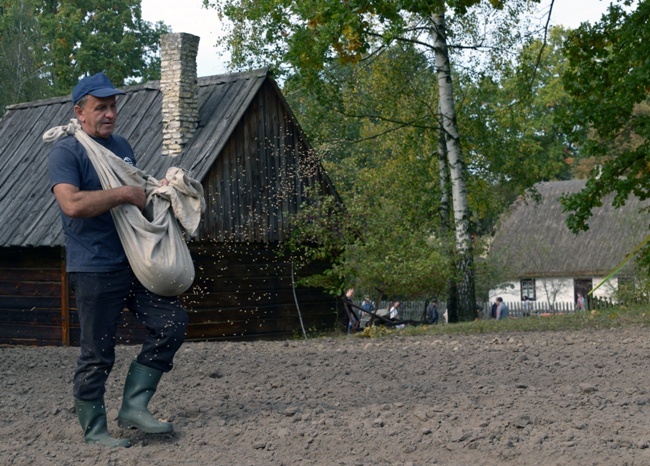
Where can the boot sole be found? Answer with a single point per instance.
(163, 429)
(116, 444)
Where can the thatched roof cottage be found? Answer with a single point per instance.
(537, 256)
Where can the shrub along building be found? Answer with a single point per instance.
(238, 137)
(536, 255)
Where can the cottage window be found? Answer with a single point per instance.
(528, 289)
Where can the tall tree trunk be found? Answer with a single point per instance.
(446, 221)
(464, 259)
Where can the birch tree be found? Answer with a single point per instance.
(465, 291)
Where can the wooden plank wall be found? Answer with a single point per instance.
(246, 291)
(30, 296)
(240, 292)
(260, 176)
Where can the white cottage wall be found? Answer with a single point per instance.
(558, 290)
(606, 290)
(510, 292)
(546, 288)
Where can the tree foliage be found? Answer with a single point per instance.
(608, 79)
(21, 75)
(309, 36)
(385, 254)
(362, 76)
(84, 37)
(511, 137)
(46, 45)
(385, 172)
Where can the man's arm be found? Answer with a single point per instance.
(84, 204)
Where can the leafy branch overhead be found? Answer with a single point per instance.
(309, 36)
(608, 81)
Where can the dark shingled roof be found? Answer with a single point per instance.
(29, 215)
(532, 239)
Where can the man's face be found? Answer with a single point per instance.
(98, 116)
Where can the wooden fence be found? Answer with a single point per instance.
(409, 310)
(542, 308)
(415, 310)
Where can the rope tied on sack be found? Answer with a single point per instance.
(153, 238)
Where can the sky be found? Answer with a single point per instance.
(189, 16)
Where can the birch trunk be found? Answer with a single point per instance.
(446, 221)
(464, 259)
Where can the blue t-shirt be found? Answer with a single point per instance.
(91, 244)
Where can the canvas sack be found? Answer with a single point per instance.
(152, 239)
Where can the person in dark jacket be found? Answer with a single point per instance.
(432, 313)
(493, 310)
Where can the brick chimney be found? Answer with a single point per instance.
(178, 84)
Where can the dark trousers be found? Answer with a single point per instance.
(101, 297)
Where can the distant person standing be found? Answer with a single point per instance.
(493, 310)
(393, 314)
(580, 302)
(502, 309)
(432, 313)
(352, 322)
(349, 294)
(367, 305)
(526, 305)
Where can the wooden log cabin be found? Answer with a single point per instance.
(238, 137)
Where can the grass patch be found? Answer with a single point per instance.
(616, 317)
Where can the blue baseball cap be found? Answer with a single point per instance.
(97, 85)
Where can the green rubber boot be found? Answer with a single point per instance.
(92, 417)
(140, 385)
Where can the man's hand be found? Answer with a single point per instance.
(84, 204)
(134, 195)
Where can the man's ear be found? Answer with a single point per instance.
(78, 111)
